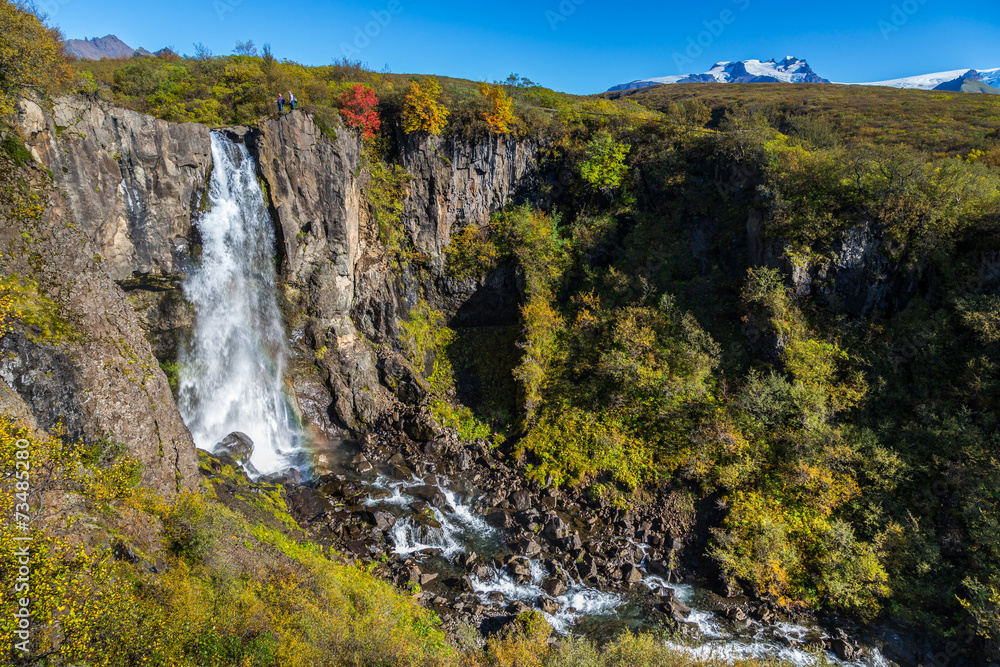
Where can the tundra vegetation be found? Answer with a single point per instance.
(846, 440)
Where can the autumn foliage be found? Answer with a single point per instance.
(499, 114)
(360, 109)
(422, 110)
(31, 56)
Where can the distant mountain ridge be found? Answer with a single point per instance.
(108, 46)
(788, 70)
(796, 70)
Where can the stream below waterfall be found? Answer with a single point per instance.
(440, 537)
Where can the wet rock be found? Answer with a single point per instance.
(467, 559)
(237, 445)
(429, 552)
(380, 520)
(677, 609)
(735, 614)
(360, 464)
(587, 568)
(377, 495)
(430, 494)
(842, 646)
(427, 578)
(462, 584)
(554, 586)
(519, 569)
(547, 604)
(631, 574)
(419, 507)
(398, 469)
(843, 650)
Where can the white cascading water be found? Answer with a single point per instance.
(231, 374)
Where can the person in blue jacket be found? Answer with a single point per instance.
(281, 103)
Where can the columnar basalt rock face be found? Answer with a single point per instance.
(133, 183)
(319, 209)
(335, 268)
(455, 184)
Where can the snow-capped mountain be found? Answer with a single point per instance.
(990, 77)
(789, 70)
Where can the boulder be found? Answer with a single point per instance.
(500, 519)
(421, 428)
(547, 604)
(520, 500)
(843, 650)
(554, 586)
(430, 494)
(631, 574)
(237, 445)
(360, 464)
(555, 529)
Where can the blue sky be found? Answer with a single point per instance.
(578, 46)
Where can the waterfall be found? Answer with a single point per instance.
(231, 373)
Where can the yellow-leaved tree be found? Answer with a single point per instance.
(422, 110)
(499, 114)
(31, 56)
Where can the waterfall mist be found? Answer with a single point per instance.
(231, 373)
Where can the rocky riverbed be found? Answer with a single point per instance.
(459, 526)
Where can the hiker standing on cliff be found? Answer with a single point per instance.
(281, 103)
(291, 100)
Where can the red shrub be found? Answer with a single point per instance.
(360, 108)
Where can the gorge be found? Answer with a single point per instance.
(633, 371)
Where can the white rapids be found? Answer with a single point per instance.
(779, 641)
